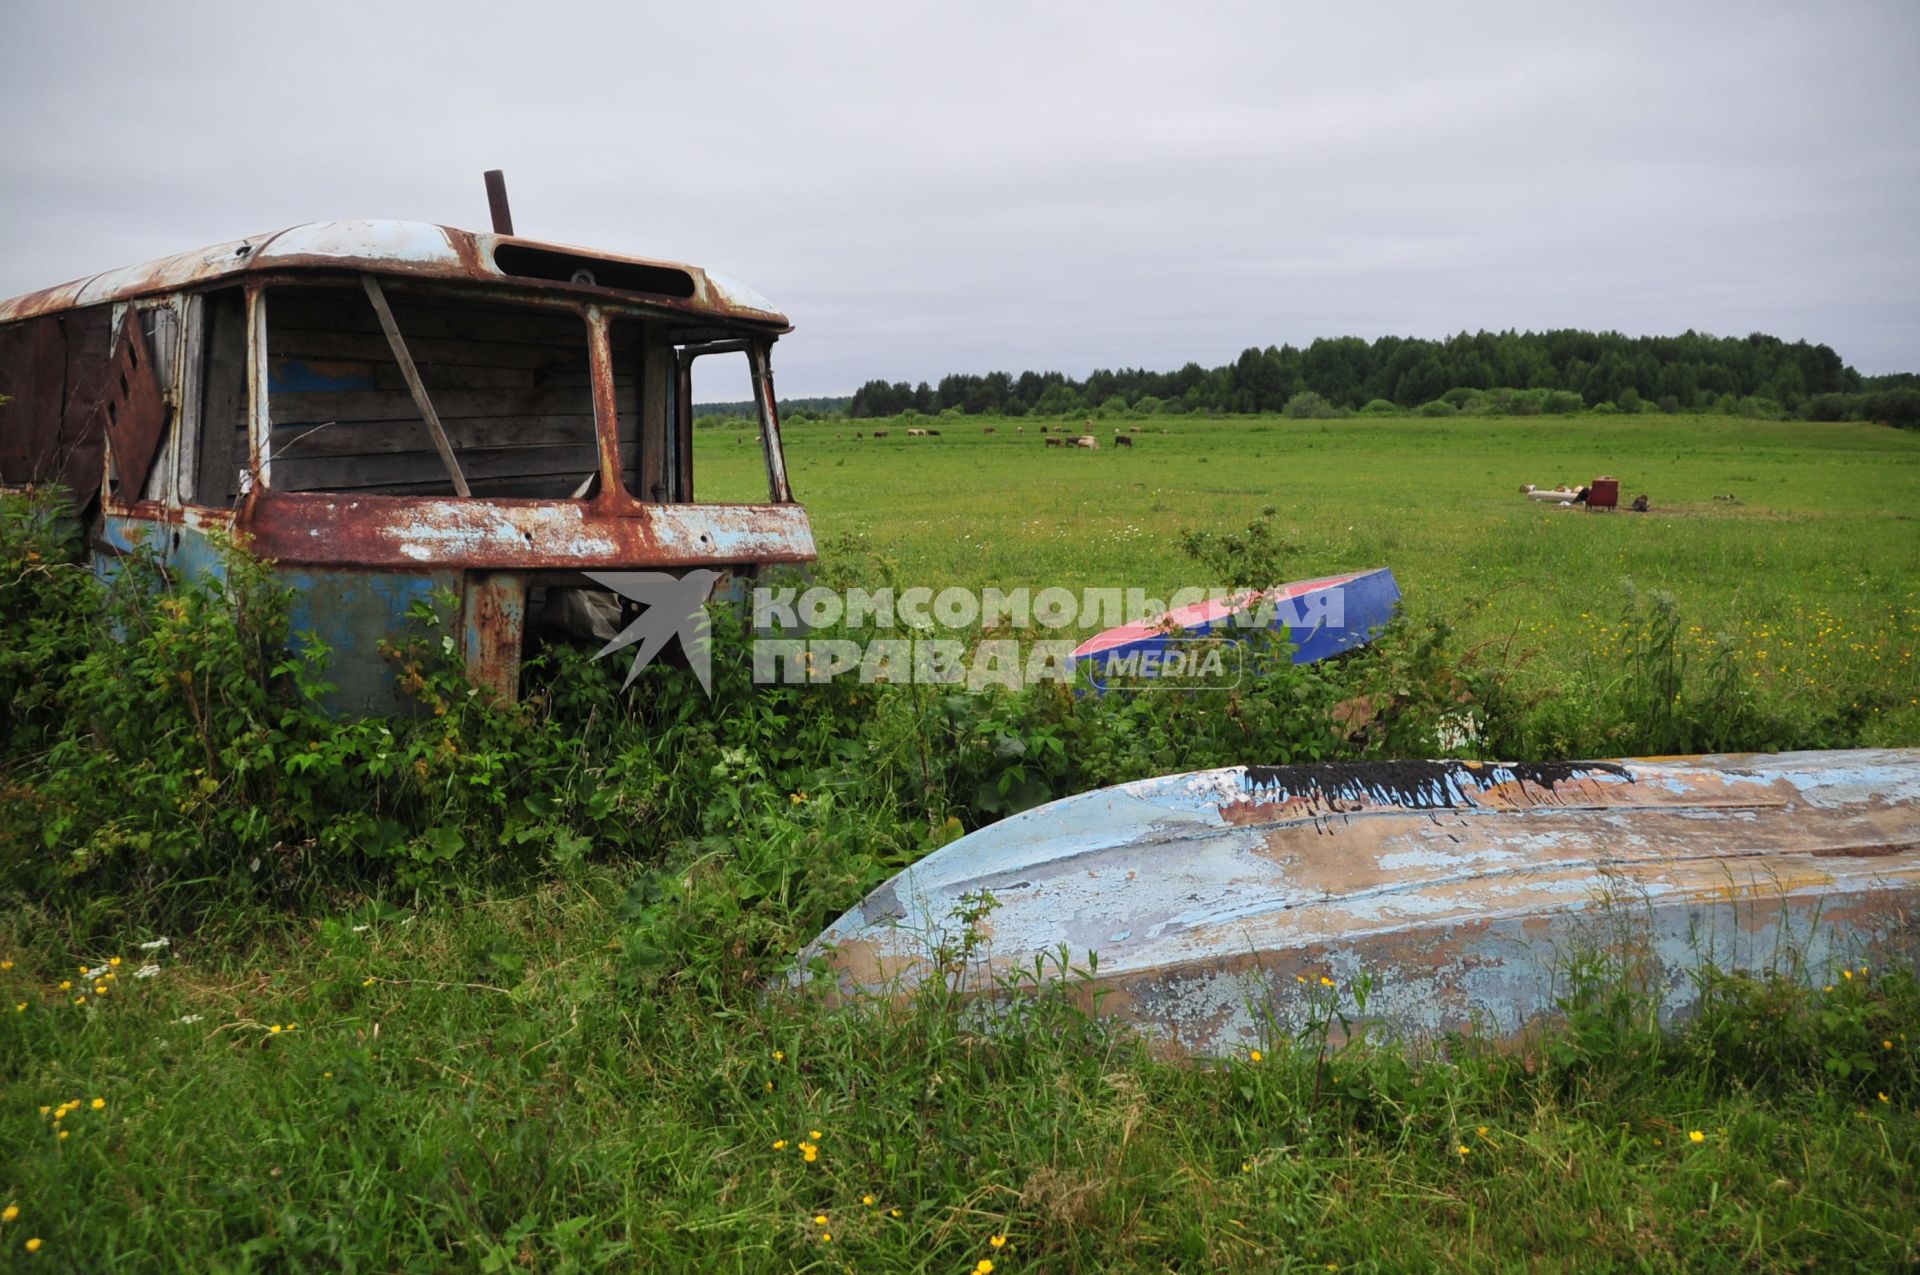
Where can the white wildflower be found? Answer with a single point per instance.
(188, 1018)
(156, 945)
(146, 971)
(98, 970)
(361, 929)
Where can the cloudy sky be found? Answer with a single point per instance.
(1064, 186)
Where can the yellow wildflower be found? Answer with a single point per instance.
(866, 1199)
(769, 1086)
(45, 1110)
(1882, 1097)
(1246, 1166)
(20, 1007)
(33, 1245)
(79, 1000)
(66, 984)
(797, 798)
(779, 1144)
(893, 1212)
(819, 1219)
(1846, 973)
(998, 1241)
(1299, 978)
(63, 1135)
(1464, 1150)
(983, 1267)
(99, 989)
(114, 961)
(6, 965)
(1325, 981)
(815, 1134)
(1253, 1055)
(779, 1055)
(1482, 1131)
(367, 981)
(809, 1153)
(1886, 1044)
(826, 1237)
(98, 1104)
(9, 1213)
(1696, 1136)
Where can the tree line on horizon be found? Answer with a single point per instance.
(1520, 373)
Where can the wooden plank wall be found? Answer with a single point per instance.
(511, 387)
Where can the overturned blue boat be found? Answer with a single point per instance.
(1225, 905)
(1322, 618)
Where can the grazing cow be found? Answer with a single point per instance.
(1087, 441)
(1043, 429)
(987, 430)
(1123, 440)
(879, 433)
(1133, 429)
(931, 433)
(916, 433)
(1054, 441)
(1019, 429)
(859, 434)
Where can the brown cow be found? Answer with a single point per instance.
(1123, 440)
(1054, 441)
(987, 430)
(879, 433)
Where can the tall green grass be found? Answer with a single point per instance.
(481, 1085)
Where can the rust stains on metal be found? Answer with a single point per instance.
(410, 250)
(53, 372)
(391, 532)
(132, 409)
(492, 623)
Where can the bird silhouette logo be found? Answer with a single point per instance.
(675, 606)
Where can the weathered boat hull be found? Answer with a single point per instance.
(1218, 901)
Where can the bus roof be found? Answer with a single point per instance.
(418, 250)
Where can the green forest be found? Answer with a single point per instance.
(1504, 373)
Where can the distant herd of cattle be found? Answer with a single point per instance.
(1085, 441)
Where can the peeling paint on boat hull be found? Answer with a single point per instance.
(1217, 901)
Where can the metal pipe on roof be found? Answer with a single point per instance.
(497, 202)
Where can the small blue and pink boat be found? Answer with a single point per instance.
(1323, 618)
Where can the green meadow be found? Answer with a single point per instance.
(1809, 576)
(504, 988)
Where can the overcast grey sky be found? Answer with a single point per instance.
(1063, 186)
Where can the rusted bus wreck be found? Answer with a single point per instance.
(1222, 902)
(386, 410)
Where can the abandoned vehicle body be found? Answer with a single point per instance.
(387, 410)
